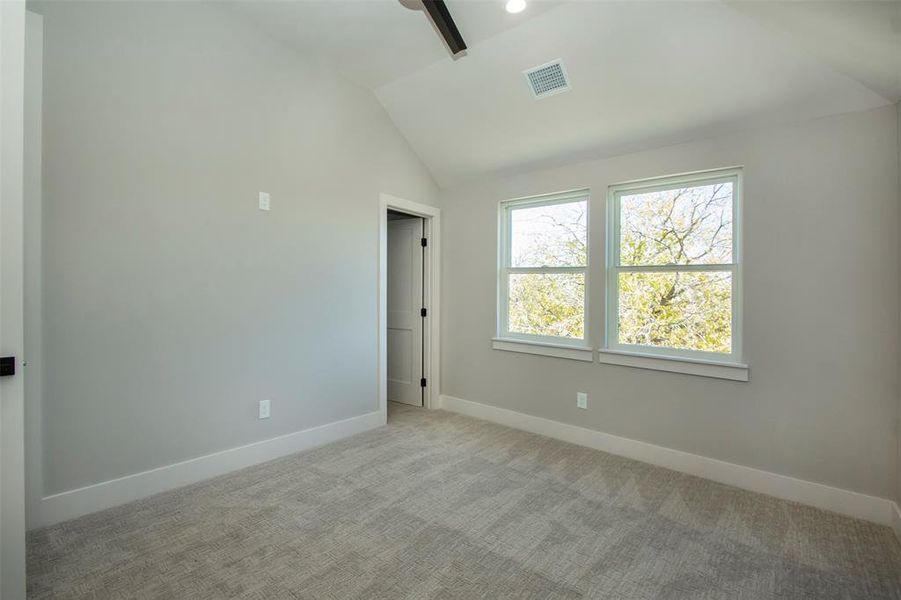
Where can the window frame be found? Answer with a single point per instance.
(504, 269)
(614, 268)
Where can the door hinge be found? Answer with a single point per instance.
(423, 312)
(424, 242)
(422, 382)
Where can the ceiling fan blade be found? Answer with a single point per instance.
(445, 24)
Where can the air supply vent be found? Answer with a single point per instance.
(547, 79)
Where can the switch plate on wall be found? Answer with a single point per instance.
(264, 409)
(264, 201)
(582, 400)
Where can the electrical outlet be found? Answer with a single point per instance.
(582, 400)
(264, 409)
(264, 201)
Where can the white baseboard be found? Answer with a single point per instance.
(854, 504)
(75, 503)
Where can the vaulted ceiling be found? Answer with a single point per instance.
(643, 74)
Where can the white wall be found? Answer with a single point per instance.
(821, 308)
(171, 303)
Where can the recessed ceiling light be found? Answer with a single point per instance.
(515, 6)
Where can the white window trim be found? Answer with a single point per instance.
(727, 366)
(688, 366)
(541, 344)
(585, 354)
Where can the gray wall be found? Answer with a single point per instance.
(171, 303)
(821, 308)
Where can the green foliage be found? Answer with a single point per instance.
(689, 310)
(684, 310)
(547, 304)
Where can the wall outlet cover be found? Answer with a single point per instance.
(264, 409)
(264, 201)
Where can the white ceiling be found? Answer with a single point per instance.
(377, 41)
(643, 74)
(859, 38)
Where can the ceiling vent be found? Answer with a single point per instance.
(547, 79)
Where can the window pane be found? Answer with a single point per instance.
(687, 310)
(547, 304)
(549, 236)
(691, 225)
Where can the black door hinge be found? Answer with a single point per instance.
(424, 242)
(422, 382)
(7, 366)
(423, 312)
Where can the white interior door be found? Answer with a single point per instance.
(12, 443)
(404, 337)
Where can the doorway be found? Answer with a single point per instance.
(409, 246)
(406, 308)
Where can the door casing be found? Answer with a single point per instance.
(12, 429)
(431, 298)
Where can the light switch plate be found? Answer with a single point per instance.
(582, 400)
(264, 201)
(264, 409)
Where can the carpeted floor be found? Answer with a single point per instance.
(438, 505)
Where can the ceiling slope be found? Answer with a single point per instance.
(642, 75)
(859, 38)
(375, 42)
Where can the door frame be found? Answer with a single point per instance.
(12, 180)
(431, 282)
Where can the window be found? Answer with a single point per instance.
(674, 269)
(543, 269)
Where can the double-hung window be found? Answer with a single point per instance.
(543, 269)
(674, 269)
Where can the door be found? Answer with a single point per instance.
(12, 444)
(404, 337)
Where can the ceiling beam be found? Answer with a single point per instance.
(437, 9)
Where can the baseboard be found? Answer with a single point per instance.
(854, 504)
(75, 503)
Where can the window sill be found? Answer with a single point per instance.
(688, 366)
(544, 349)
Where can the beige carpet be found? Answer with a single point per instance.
(437, 505)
